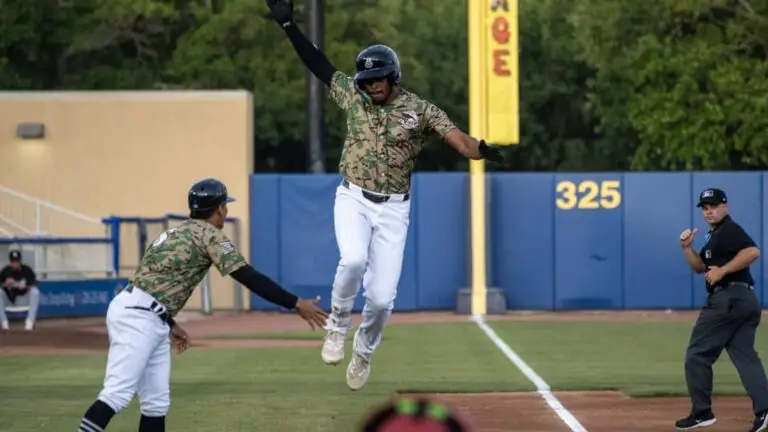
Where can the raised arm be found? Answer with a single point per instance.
(313, 58)
(691, 257)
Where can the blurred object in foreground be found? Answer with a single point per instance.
(412, 415)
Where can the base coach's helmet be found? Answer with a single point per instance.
(378, 61)
(207, 194)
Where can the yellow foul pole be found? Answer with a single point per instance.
(477, 123)
(493, 111)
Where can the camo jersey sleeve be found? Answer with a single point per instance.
(223, 254)
(437, 121)
(342, 90)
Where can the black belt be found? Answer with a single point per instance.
(718, 288)
(155, 307)
(376, 198)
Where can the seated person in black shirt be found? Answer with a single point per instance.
(19, 288)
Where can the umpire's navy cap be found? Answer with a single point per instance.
(712, 196)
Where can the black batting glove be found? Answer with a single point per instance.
(282, 11)
(492, 153)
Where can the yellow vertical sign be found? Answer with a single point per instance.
(493, 111)
(477, 128)
(502, 78)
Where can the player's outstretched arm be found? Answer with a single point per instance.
(313, 58)
(266, 288)
(471, 148)
(437, 121)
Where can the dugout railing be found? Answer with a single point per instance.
(81, 274)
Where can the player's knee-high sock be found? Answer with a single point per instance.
(152, 424)
(97, 417)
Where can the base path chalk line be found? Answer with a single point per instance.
(541, 386)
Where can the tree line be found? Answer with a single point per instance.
(605, 85)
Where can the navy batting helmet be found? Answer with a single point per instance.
(378, 61)
(207, 194)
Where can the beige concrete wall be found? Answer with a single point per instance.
(129, 154)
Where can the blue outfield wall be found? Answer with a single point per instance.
(556, 241)
(75, 298)
(293, 238)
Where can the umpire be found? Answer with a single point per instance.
(730, 316)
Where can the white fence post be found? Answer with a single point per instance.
(38, 219)
(39, 254)
(206, 294)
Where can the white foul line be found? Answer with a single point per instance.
(541, 386)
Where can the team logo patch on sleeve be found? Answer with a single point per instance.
(226, 247)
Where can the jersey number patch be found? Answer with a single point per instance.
(162, 237)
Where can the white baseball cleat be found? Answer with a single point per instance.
(358, 371)
(333, 348)
(29, 325)
(4, 325)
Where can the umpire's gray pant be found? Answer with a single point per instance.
(728, 320)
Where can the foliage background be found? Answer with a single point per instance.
(605, 84)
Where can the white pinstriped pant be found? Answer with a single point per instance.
(371, 239)
(139, 359)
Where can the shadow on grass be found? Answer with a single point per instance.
(282, 336)
(458, 390)
(287, 336)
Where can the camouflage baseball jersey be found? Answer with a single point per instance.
(383, 141)
(178, 260)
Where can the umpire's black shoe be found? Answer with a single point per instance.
(695, 421)
(761, 422)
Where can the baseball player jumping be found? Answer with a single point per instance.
(386, 129)
(140, 318)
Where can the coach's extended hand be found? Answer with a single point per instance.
(492, 153)
(309, 311)
(282, 11)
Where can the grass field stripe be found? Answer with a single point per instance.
(541, 386)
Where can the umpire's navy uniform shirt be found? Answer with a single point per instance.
(724, 241)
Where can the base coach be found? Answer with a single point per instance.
(730, 316)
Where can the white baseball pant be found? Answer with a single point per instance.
(371, 239)
(139, 358)
(31, 299)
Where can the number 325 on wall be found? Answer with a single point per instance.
(588, 194)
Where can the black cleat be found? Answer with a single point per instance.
(761, 422)
(695, 421)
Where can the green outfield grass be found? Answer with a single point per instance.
(275, 389)
(640, 359)
(289, 389)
